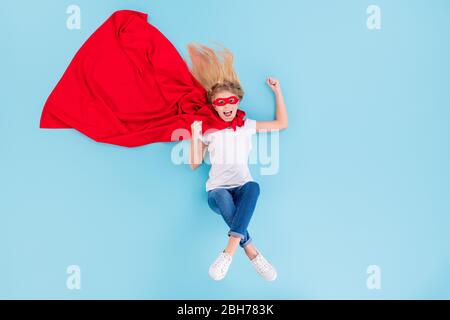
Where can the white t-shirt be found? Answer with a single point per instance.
(228, 153)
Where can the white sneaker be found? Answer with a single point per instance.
(264, 268)
(219, 268)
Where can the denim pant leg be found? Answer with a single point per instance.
(220, 200)
(245, 198)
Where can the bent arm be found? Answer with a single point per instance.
(197, 148)
(281, 116)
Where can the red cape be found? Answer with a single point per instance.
(128, 85)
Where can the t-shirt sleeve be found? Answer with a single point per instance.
(250, 126)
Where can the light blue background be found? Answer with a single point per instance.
(364, 167)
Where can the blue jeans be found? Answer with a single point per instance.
(236, 206)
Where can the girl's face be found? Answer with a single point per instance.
(228, 110)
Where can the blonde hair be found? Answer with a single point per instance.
(214, 71)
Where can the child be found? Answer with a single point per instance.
(232, 192)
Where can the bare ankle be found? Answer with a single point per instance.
(252, 256)
(229, 251)
(251, 252)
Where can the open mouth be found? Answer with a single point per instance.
(227, 113)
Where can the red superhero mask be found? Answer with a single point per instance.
(220, 102)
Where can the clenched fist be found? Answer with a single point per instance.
(196, 129)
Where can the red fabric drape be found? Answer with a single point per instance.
(128, 85)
